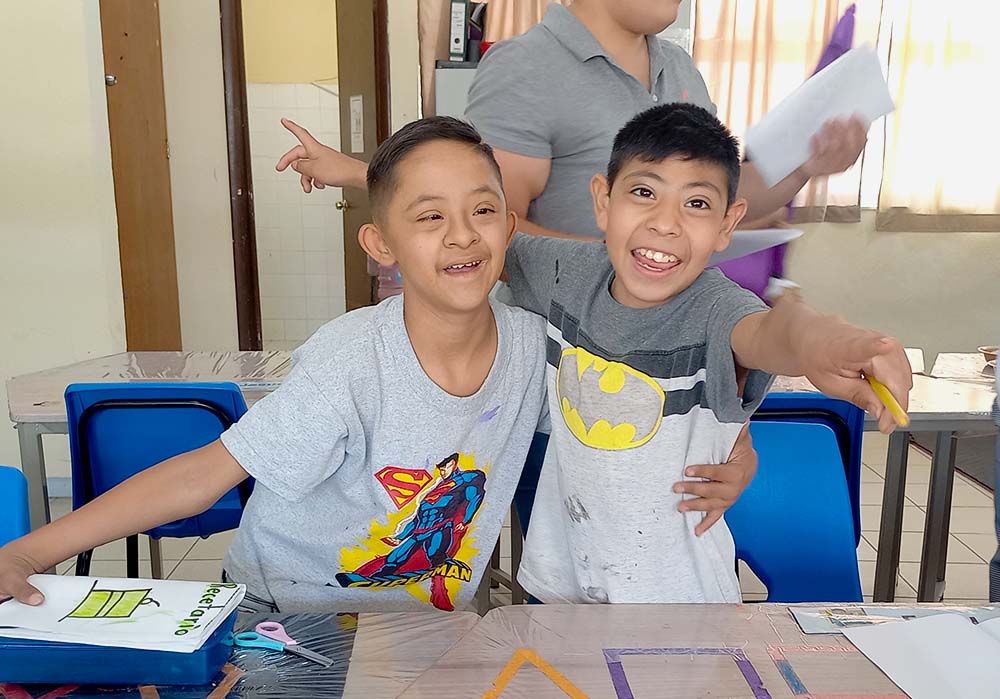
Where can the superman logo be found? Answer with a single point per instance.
(403, 484)
(607, 405)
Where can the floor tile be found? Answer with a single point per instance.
(871, 493)
(965, 494)
(213, 548)
(172, 549)
(866, 552)
(207, 571)
(985, 545)
(874, 447)
(867, 571)
(750, 583)
(972, 520)
(967, 581)
(871, 518)
(869, 475)
(116, 569)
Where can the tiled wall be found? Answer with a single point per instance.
(300, 237)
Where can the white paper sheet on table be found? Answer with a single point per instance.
(827, 620)
(936, 657)
(170, 615)
(746, 243)
(853, 84)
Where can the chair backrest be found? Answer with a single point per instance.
(845, 419)
(14, 520)
(118, 430)
(793, 525)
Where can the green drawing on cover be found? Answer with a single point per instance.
(111, 604)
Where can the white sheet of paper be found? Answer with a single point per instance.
(171, 615)
(853, 84)
(936, 657)
(747, 242)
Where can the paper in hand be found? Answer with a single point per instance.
(852, 85)
(746, 243)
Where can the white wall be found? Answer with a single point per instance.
(404, 64)
(937, 291)
(191, 47)
(60, 280)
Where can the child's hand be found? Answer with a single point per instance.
(840, 358)
(725, 484)
(14, 572)
(320, 165)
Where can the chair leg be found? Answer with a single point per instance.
(517, 595)
(155, 559)
(83, 562)
(495, 565)
(132, 556)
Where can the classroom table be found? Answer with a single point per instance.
(968, 367)
(937, 405)
(37, 407)
(751, 651)
(945, 406)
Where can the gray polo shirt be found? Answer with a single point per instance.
(554, 92)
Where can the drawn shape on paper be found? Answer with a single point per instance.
(111, 604)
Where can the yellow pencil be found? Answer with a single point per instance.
(889, 401)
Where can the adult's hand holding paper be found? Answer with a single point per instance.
(852, 85)
(746, 243)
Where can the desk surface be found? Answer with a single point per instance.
(932, 399)
(754, 651)
(663, 651)
(38, 397)
(962, 366)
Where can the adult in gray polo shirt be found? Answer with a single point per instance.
(551, 100)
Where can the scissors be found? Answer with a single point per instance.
(272, 635)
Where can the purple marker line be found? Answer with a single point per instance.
(613, 656)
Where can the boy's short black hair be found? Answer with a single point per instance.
(680, 129)
(382, 169)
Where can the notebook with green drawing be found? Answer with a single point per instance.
(171, 615)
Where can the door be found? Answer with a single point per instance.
(139, 158)
(362, 54)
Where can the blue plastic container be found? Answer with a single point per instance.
(44, 662)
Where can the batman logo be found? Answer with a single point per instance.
(607, 405)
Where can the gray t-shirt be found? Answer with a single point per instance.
(635, 396)
(554, 92)
(377, 490)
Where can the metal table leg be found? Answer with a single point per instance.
(891, 528)
(29, 437)
(930, 587)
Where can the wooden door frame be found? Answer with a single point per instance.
(240, 173)
(240, 177)
(146, 244)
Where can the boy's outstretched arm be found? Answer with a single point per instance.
(794, 340)
(182, 486)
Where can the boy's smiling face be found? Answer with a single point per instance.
(662, 222)
(447, 226)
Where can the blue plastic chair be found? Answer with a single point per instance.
(793, 525)
(845, 419)
(14, 521)
(118, 430)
